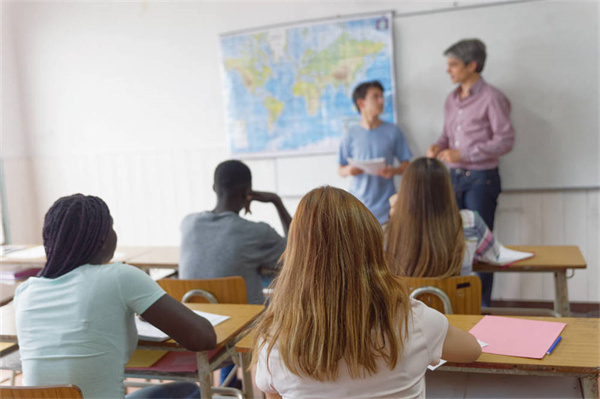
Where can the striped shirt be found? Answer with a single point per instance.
(480, 243)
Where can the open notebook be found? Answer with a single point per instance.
(148, 332)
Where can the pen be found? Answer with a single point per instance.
(554, 345)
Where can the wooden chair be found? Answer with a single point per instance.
(224, 290)
(218, 290)
(464, 292)
(41, 392)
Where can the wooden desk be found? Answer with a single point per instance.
(123, 254)
(556, 259)
(228, 334)
(157, 257)
(577, 355)
(7, 292)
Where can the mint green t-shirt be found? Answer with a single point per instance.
(79, 328)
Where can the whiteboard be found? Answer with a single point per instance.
(542, 55)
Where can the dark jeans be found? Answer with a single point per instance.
(173, 390)
(478, 190)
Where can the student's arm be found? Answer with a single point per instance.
(349, 170)
(193, 332)
(272, 395)
(460, 346)
(273, 198)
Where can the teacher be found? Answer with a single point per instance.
(477, 131)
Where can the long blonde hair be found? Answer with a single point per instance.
(425, 233)
(336, 296)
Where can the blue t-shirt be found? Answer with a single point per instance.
(386, 141)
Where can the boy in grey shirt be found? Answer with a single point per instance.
(220, 243)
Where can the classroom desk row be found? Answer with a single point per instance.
(578, 354)
(548, 259)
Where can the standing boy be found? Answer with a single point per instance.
(373, 138)
(477, 131)
(220, 243)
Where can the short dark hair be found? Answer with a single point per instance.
(75, 230)
(360, 92)
(232, 176)
(468, 50)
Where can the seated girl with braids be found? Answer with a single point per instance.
(427, 235)
(340, 324)
(75, 322)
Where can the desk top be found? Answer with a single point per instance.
(546, 258)
(578, 351)
(122, 254)
(240, 317)
(157, 257)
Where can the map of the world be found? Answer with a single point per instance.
(289, 90)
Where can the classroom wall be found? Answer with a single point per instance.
(123, 100)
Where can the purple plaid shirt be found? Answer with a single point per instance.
(478, 126)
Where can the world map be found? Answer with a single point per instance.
(289, 90)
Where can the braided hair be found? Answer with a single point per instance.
(75, 230)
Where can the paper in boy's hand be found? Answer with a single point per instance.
(369, 166)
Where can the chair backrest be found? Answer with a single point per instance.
(464, 292)
(41, 392)
(224, 289)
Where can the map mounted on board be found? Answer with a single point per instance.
(288, 90)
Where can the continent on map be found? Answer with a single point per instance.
(253, 65)
(337, 65)
(274, 106)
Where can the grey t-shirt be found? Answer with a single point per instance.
(224, 245)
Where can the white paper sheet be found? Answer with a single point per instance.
(508, 256)
(370, 166)
(148, 332)
(30, 253)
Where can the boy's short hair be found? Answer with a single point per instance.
(232, 176)
(360, 92)
(468, 50)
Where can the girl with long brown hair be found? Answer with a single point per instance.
(427, 236)
(340, 324)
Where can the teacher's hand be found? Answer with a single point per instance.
(449, 156)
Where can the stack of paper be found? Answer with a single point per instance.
(517, 337)
(148, 332)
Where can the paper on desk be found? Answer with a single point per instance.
(369, 166)
(148, 332)
(30, 253)
(517, 337)
(118, 257)
(509, 256)
(6, 249)
(442, 361)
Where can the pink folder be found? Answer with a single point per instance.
(517, 337)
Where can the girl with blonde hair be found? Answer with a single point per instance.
(339, 323)
(427, 235)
